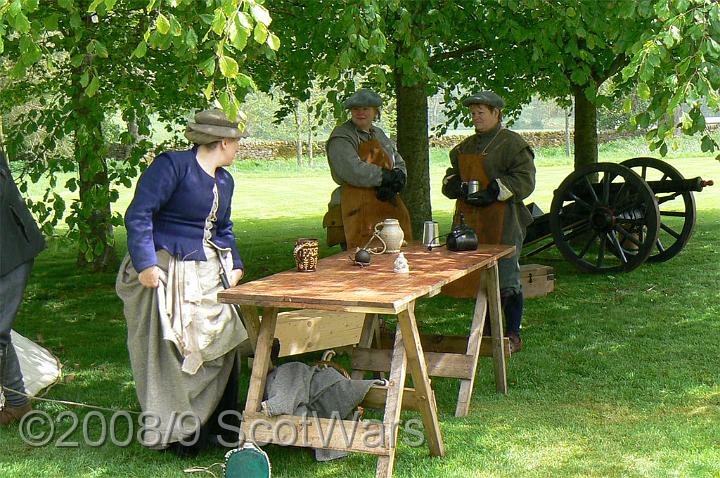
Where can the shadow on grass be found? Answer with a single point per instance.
(618, 376)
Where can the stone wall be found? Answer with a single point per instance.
(251, 149)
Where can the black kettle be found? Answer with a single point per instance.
(462, 237)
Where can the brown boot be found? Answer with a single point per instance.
(10, 415)
(516, 342)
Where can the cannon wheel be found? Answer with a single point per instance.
(609, 226)
(677, 210)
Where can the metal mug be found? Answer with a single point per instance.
(473, 186)
(431, 231)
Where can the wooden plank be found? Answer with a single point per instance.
(473, 346)
(366, 338)
(290, 430)
(338, 282)
(377, 395)
(496, 328)
(393, 407)
(454, 344)
(252, 321)
(261, 364)
(438, 364)
(309, 330)
(418, 369)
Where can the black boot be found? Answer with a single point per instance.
(512, 305)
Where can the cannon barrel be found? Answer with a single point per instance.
(679, 185)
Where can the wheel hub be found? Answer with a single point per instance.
(602, 219)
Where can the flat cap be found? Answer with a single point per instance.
(487, 98)
(210, 126)
(363, 97)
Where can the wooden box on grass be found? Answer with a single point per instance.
(537, 280)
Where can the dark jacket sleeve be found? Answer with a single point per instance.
(225, 229)
(20, 236)
(519, 177)
(154, 188)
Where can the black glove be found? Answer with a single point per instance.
(484, 197)
(385, 193)
(392, 183)
(399, 179)
(454, 188)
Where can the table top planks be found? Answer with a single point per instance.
(339, 284)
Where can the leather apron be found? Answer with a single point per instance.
(361, 209)
(487, 221)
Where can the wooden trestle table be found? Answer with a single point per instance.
(340, 285)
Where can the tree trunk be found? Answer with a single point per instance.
(94, 216)
(586, 137)
(413, 146)
(298, 137)
(568, 112)
(310, 144)
(2, 136)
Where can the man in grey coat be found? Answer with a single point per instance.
(20, 241)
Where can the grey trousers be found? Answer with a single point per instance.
(12, 286)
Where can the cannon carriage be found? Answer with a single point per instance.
(609, 217)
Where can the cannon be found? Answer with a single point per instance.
(610, 217)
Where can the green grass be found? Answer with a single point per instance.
(618, 377)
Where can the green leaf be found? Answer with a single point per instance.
(261, 15)
(140, 50)
(224, 100)
(92, 87)
(84, 79)
(20, 23)
(162, 24)
(643, 91)
(244, 20)
(570, 12)
(101, 50)
(627, 105)
(228, 67)
(218, 25)
(239, 38)
(51, 22)
(274, 42)
(261, 33)
(191, 39)
(175, 27)
(707, 144)
(207, 66)
(75, 20)
(93, 6)
(66, 4)
(245, 81)
(71, 184)
(208, 91)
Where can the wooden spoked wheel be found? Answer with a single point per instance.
(677, 209)
(604, 218)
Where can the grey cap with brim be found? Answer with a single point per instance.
(210, 126)
(363, 97)
(487, 98)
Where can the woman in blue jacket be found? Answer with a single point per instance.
(182, 341)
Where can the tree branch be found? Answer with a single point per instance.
(449, 55)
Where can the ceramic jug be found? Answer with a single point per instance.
(391, 234)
